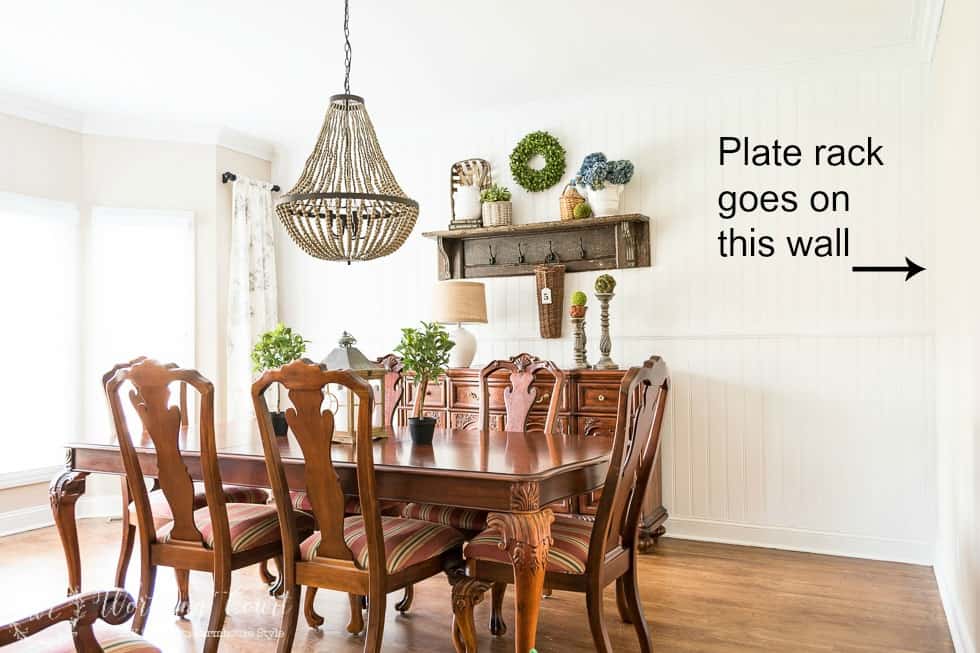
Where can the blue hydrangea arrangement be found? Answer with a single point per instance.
(596, 170)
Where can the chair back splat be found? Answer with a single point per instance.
(521, 396)
(394, 384)
(640, 411)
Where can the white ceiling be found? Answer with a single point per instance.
(266, 68)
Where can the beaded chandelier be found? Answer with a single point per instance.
(347, 205)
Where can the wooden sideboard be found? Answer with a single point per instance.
(588, 406)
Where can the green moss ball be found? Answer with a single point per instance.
(582, 210)
(605, 284)
(578, 298)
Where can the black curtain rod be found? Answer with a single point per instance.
(231, 176)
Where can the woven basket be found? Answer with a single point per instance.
(551, 288)
(497, 214)
(569, 200)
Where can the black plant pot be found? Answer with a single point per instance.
(279, 424)
(421, 429)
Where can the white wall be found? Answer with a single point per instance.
(955, 111)
(802, 404)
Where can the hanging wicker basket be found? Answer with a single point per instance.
(551, 294)
(569, 200)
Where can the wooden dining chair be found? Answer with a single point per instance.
(217, 538)
(84, 612)
(161, 509)
(364, 555)
(587, 556)
(393, 384)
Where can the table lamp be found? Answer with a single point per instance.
(459, 302)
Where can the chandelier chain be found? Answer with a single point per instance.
(347, 48)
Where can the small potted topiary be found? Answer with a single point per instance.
(577, 308)
(425, 353)
(602, 182)
(274, 349)
(497, 209)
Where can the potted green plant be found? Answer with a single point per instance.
(577, 308)
(425, 353)
(497, 209)
(274, 349)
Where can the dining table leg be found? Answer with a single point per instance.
(526, 536)
(63, 494)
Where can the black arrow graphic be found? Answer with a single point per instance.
(911, 269)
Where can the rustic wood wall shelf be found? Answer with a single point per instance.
(606, 243)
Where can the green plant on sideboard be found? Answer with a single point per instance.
(425, 353)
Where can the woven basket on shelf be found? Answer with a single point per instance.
(551, 289)
(497, 214)
(569, 200)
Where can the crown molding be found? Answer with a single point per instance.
(20, 106)
(927, 23)
(128, 126)
(246, 144)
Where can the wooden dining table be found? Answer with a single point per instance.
(513, 474)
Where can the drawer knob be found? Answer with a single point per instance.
(473, 395)
(543, 398)
(601, 397)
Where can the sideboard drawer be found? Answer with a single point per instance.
(465, 395)
(596, 426)
(599, 398)
(435, 394)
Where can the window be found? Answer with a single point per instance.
(39, 254)
(80, 296)
(140, 272)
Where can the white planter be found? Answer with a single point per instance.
(466, 203)
(604, 201)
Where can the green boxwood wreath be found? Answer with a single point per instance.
(546, 145)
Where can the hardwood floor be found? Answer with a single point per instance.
(697, 596)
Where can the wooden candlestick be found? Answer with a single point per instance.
(580, 361)
(605, 343)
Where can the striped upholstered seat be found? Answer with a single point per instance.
(250, 525)
(112, 639)
(407, 541)
(463, 519)
(162, 514)
(352, 505)
(569, 553)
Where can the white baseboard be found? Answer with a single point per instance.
(106, 506)
(25, 519)
(34, 517)
(960, 634)
(791, 539)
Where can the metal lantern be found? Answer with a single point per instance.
(348, 357)
(347, 205)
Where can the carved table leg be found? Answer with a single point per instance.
(526, 536)
(63, 493)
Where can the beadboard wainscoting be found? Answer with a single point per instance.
(802, 411)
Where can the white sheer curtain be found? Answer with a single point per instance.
(252, 288)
